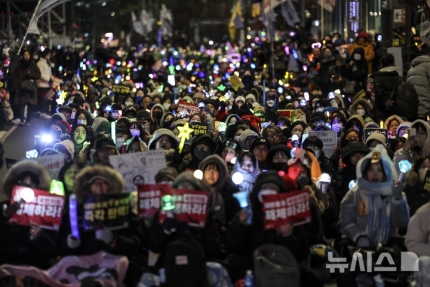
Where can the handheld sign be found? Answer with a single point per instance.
(189, 206)
(283, 208)
(190, 108)
(110, 211)
(149, 199)
(121, 90)
(329, 139)
(37, 206)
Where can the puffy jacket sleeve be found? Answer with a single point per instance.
(348, 216)
(418, 231)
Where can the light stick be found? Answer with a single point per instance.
(184, 134)
(404, 166)
(73, 214)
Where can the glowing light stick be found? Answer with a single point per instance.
(73, 214)
(27, 195)
(198, 174)
(237, 177)
(242, 197)
(352, 184)
(404, 166)
(184, 134)
(324, 181)
(56, 187)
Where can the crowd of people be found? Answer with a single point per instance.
(258, 128)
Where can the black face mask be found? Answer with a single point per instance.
(201, 154)
(157, 116)
(279, 166)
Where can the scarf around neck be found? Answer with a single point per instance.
(378, 225)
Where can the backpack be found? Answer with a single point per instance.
(274, 265)
(185, 264)
(405, 99)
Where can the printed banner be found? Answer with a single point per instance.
(290, 207)
(149, 196)
(190, 108)
(329, 139)
(189, 206)
(109, 210)
(121, 90)
(138, 168)
(45, 209)
(52, 163)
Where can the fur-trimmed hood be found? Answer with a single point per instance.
(82, 186)
(363, 102)
(222, 168)
(160, 132)
(15, 172)
(393, 117)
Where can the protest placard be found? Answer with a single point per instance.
(285, 113)
(109, 211)
(235, 82)
(283, 208)
(189, 206)
(44, 209)
(138, 168)
(149, 196)
(121, 90)
(52, 163)
(190, 108)
(329, 139)
(199, 129)
(369, 131)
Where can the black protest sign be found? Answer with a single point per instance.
(199, 129)
(369, 131)
(109, 211)
(121, 90)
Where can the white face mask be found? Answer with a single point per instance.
(371, 148)
(35, 57)
(357, 57)
(422, 173)
(265, 192)
(128, 103)
(166, 106)
(361, 112)
(270, 103)
(237, 138)
(320, 109)
(72, 115)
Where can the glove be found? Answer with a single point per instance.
(397, 190)
(104, 235)
(73, 242)
(302, 180)
(363, 241)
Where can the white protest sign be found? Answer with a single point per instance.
(52, 163)
(329, 139)
(138, 168)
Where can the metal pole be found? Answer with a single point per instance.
(272, 36)
(31, 21)
(49, 31)
(9, 23)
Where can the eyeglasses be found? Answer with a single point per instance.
(272, 137)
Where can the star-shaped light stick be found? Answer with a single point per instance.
(184, 134)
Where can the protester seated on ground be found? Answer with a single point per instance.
(25, 245)
(260, 148)
(102, 180)
(103, 147)
(371, 212)
(165, 140)
(316, 145)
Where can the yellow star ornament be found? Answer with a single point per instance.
(184, 134)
